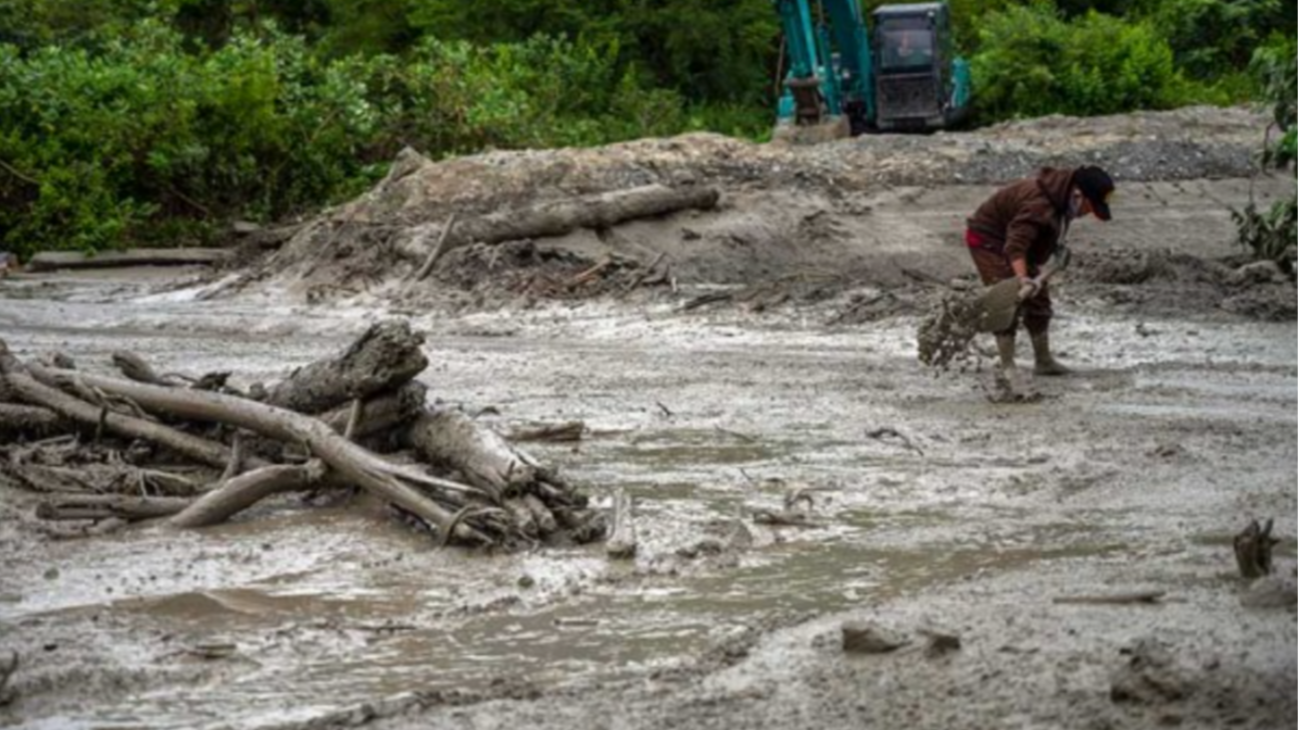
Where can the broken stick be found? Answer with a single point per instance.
(1113, 598)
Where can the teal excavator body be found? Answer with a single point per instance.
(844, 80)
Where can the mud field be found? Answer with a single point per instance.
(932, 510)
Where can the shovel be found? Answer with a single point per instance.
(995, 309)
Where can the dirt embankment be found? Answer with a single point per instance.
(873, 211)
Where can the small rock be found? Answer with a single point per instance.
(244, 228)
(705, 547)
(939, 643)
(867, 637)
(51, 574)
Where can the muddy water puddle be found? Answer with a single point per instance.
(299, 652)
(329, 608)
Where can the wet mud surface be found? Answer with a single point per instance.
(931, 508)
(960, 513)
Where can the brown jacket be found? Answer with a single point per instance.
(1025, 219)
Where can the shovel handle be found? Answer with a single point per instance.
(1036, 282)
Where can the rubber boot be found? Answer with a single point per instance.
(1043, 362)
(1006, 357)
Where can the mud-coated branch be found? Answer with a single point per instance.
(29, 389)
(234, 495)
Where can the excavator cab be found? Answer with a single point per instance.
(920, 83)
(843, 80)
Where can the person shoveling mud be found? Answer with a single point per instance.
(1012, 237)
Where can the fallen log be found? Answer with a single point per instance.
(486, 459)
(53, 260)
(106, 506)
(557, 218)
(18, 422)
(245, 490)
(381, 359)
(354, 464)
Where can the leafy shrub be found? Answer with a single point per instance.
(1213, 37)
(1032, 62)
(1271, 234)
(149, 137)
(104, 144)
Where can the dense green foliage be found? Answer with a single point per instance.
(1032, 62)
(129, 121)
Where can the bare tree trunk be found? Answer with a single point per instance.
(558, 218)
(385, 356)
(51, 260)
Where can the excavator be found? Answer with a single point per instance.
(839, 83)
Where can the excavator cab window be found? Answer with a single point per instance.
(906, 45)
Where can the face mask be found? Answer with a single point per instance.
(1075, 206)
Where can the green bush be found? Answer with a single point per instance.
(149, 138)
(1032, 62)
(102, 145)
(1271, 234)
(1210, 38)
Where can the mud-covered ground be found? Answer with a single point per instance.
(932, 508)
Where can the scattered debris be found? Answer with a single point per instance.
(323, 427)
(888, 432)
(1150, 676)
(212, 650)
(867, 637)
(1253, 547)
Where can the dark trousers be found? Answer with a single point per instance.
(993, 267)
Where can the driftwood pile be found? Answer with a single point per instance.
(105, 451)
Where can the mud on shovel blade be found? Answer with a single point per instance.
(995, 309)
